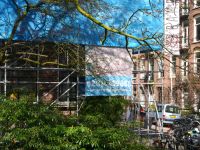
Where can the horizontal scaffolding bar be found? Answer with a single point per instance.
(146, 83)
(137, 101)
(144, 71)
(35, 68)
(29, 82)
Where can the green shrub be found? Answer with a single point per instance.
(26, 126)
(108, 108)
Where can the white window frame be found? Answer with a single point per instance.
(172, 66)
(151, 69)
(160, 69)
(196, 62)
(135, 71)
(185, 35)
(185, 95)
(142, 68)
(184, 67)
(195, 28)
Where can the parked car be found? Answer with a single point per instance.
(167, 113)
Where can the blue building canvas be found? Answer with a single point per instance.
(140, 18)
(63, 23)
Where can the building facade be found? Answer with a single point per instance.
(173, 78)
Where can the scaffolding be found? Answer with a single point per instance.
(144, 85)
(52, 73)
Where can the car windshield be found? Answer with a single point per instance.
(172, 109)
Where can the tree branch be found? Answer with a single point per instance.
(89, 16)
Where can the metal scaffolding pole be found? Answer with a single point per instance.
(5, 74)
(146, 90)
(63, 82)
(37, 80)
(77, 85)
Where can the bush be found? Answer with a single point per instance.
(25, 125)
(108, 108)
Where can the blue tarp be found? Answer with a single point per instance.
(140, 18)
(108, 86)
(144, 18)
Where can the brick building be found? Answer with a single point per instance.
(170, 77)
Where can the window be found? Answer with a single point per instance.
(185, 98)
(142, 68)
(184, 67)
(173, 66)
(151, 69)
(160, 93)
(134, 71)
(172, 109)
(197, 28)
(160, 69)
(160, 108)
(185, 33)
(197, 62)
(134, 90)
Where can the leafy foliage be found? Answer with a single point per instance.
(25, 125)
(108, 108)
